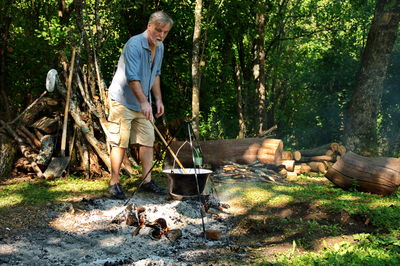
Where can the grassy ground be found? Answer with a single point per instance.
(305, 221)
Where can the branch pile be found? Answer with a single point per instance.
(37, 130)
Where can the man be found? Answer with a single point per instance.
(138, 74)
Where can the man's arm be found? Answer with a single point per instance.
(145, 106)
(156, 89)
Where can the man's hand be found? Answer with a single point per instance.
(160, 108)
(147, 111)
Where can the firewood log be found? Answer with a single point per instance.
(271, 151)
(302, 168)
(334, 146)
(317, 166)
(379, 175)
(317, 159)
(25, 138)
(215, 152)
(30, 135)
(317, 151)
(287, 155)
(250, 154)
(289, 165)
(291, 175)
(47, 125)
(24, 149)
(341, 150)
(296, 155)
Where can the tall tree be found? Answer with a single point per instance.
(361, 123)
(4, 37)
(196, 75)
(259, 70)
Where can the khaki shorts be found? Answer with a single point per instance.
(128, 127)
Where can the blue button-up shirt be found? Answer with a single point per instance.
(135, 64)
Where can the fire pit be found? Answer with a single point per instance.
(183, 185)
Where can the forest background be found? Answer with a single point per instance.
(291, 63)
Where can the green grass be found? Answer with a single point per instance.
(40, 192)
(382, 247)
(256, 202)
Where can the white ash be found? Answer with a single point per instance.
(87, 237)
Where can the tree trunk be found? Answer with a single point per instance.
(237, 77)
(259, 71)
(361, 121)
(8, 151)
(5, 22)
(196, 74)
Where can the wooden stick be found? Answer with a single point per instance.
(67, 103)
(169, 149)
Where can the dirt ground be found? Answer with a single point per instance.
(80, 232)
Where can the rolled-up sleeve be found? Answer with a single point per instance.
(160, 58)
(132, 63)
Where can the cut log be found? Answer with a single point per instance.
(287, 155)
(215, 152)
(250, 154)
(291, 175)
(341, 150)
(41, 104)
(296, 155)
(317, 166)
(317, 151)
(24, 149)
(33, 138)
(375, 175)
(321, 158)
(47, 125)
(334, 146)
(289, 165)
(302, 168)
(271, 152)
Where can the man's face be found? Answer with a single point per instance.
(157, 32)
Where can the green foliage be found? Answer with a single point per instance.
(312, 51)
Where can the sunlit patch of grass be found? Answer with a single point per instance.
(368, 250)
(48, 191)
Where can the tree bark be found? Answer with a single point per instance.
(361, 121)
(259, 71)
(375, 175)
(196, 74)
(5, 22)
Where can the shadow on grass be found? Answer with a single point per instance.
(314, 215)
(26, 205)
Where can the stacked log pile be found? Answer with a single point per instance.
(268, 151)
(37, 130)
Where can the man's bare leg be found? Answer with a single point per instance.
(146, 158)
(117, 155)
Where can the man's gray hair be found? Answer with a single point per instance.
(161, 17)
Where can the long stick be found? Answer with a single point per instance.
(67, 103)
(169, 149)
